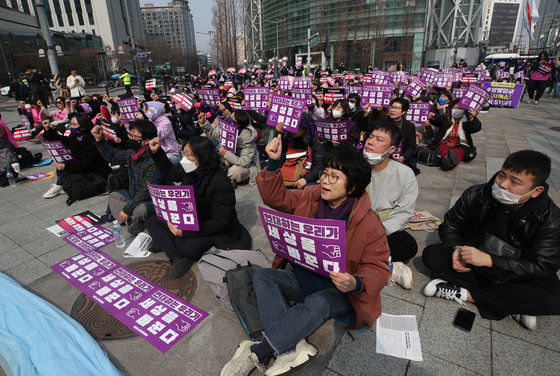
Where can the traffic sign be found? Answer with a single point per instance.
(108, 48)
(314, 40)
(41, 52)
(120, 49)
(141, 54)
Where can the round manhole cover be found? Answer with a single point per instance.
(102, 325)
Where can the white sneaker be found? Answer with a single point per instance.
(242, 362)
(536, 102)
(442, 289)
(529, 101)
(402, 275)
(53, 191)
(529, 322)
(285, 362)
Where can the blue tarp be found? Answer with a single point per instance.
(36, 338)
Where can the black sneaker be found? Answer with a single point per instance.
(446, 164)
(442, 289)
(452, 155)
(180, 266)
(136, 227)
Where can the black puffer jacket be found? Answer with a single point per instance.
(534, 228)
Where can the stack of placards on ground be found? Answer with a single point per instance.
(423, 221)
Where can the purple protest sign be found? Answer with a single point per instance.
(380, 77)
(38, 176)
(518, 75)
(503, 93)
(305, 94)
(332, 130)
(153, 313)
(287, 110)
(318, 245)
(209, 97)
(418, 112)
(90, 239)
(58, 151)
(398, 76)
(448, 70)
(474, 98)
(256, 98)
(25, 121)
(428, 75)
(443, 80)
(377, 94)
(286, 83)
(175, 204)
(350, 89)
(458, 92)
(414, 87)
(228, 136)
(302, 82)
(128, 108)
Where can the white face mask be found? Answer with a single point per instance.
(188, 165)
(506, 197)
(336, 114)
(457, 113)
(352, 105)
(114, 119)
(375, 158)
(27, 106)
(149, 114)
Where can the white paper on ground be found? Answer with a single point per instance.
(139, 246)
(398, 336)
(57, 230)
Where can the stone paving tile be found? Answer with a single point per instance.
(44, 244)
(514, 357)
(28, 271)
(14, 257)
(546, 335)
(433, 366)
(6, 244)
(25, 230)
(58, 254)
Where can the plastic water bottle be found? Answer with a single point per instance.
(118, 234)
(390, 264)
(11, 178)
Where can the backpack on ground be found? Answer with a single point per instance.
(427, 156)
(214, 264)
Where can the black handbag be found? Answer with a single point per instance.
(497, 247)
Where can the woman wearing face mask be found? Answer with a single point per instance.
(187, 127)
(340, 111)
(453, 135)
(540, 74)
(88, 165)
(215, 206)
(155, 112)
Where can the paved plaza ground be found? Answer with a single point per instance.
(27, 250)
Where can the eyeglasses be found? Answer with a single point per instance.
(58, 102)
(332, 177)
(395, 108)
(134, 137)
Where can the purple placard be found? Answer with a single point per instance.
(305, 94)
(503, 93)
(302, 82)
(458, 92)
(228, 136)
(129, 109)
(501, 74)
(58, 151)
(443, 80)
(286, 83)
(25, 121)
(332, 130)
(175, 204)
(153, 313)
(398, 76)
(256, 98)
(209, 97)
(474, 98)
(377, 94)
(448, 70)
(381, 77)
(287, 110)
(518, 75)
(90, 239)
(414, 87)
(350, 89)
(428, 75)
(318, 245)
(37, 176)
(418, 112)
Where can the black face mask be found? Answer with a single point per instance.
(134, 144)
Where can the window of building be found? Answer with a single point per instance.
(25, 6)
(69, 12)
(79, 11)
(57, 11)
(89, 11)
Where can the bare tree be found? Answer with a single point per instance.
(226, 16)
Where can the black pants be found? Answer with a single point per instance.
(496, 301)
(128, 91)
(176, 247)
(538, 86)
(402, 245)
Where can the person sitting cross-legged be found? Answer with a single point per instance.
(501, 245)
(340, 195)
(393, 191)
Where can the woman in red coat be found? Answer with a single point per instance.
(340, 195)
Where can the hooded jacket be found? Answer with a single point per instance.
(367, 251)
(165, 132)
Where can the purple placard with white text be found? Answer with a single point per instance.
(474, 98)
(25, 121)
(332, 130)
(518, 75)
(287, 110)
(228, 136)
(398, 76)
(350, 89)
(175, 204)
(305, 94)
(418, 112)
(209, 97)
(128, 108)
(256, 98)
(91, 239)
(428, 75)
(377, 94)
(414, 87)
(153, 313)
(503, 93)
(380, 77)
(458, 92)
(443, 80)
(58, 151)
(286, 83)
(302, 83)
(318, 245)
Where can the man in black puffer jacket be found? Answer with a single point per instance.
(501, 245)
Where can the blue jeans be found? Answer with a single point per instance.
(557, 89)
(285, 325)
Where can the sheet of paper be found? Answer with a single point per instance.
(139, 246)
(57, 230)
(398, 336)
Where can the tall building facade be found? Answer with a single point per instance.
(172, 23)
(108, 19)
(502, 25)
(360, 32)
(547, 32)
